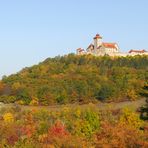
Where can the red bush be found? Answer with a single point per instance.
(58, 130)
(12, 139)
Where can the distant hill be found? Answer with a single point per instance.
(77, 79)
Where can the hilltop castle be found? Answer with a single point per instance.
(100, 48)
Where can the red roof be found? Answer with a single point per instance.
(109, 45)
(137, 51)
(97, 36)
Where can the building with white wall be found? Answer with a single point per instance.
(134, 52)
(100, 48)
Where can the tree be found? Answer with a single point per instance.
(44, 95)
(144, 109)
(83, 78)
(62, 98)
(23, 95)
(105, 92)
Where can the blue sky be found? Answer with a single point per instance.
(32, 30)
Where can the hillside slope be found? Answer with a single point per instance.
(73, 78)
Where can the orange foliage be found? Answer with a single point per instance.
(120, 136)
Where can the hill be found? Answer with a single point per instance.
(72, 78)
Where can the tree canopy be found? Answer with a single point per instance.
(73, 78)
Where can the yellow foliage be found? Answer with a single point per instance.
(132, 95)
(8, 117)
(34, 102)
(21, 102)
(43, 138)
(65, 109)
(16, 86)
(77, 113)
(130, 118)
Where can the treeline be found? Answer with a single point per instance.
(72, 78)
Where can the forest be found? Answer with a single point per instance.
(77, 79)
(74, 85)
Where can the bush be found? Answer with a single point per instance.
(62, 98)
(130, 118)
(43, 127)
(8, 117)
(41, 115)
(87, 124)
(122, 136)
(8, 99)
(34, 102)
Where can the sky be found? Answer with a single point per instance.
(33, 30)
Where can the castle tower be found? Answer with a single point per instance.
(97, 41)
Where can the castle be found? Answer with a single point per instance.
(100, 48)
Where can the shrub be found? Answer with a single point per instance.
(8, 99)
(8, 117)
(12, 139)
(58, 130)
(43, 128)
(88, 124)
(131, 94)
(130, 118)
(34, 102)
(62, 98)
(120, 136)
(20, 102)
(41, 115)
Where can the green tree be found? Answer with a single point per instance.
(106, 91)
(62, 98)
(23, 95)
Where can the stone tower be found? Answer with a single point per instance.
(97, 41)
